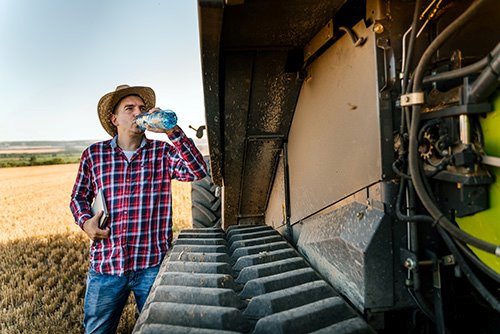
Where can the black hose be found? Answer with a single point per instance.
(478, 263)
(468, 271)
(487, 82)
(409, 53)
(399, 172)
(440, 167)
(413, 149)
(458, 73)
(405, 218)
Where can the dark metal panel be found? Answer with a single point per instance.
(210, 15)
(260, 162)
(274, 94)
(256, 119)
(351, 246)
(261, 24)
(236, 104)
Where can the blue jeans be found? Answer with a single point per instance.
(107, 295)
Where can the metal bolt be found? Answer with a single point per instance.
(378, 28)
(359, 215)
(409, 264)
(448, 260)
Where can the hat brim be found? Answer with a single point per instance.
(108, 102)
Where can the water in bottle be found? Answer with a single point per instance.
(161, 119)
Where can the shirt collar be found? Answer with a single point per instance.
(114, 144)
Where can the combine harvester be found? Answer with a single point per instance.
(356, 148)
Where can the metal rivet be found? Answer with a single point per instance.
(378, 28)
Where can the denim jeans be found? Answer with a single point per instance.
(107, 295)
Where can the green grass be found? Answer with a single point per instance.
(37, 159)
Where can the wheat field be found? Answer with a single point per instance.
(44, 254)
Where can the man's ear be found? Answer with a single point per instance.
(113, 120)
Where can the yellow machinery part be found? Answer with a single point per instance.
(486, 224)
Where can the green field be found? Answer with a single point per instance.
(40, 153)
(37, 159)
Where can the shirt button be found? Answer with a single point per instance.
(125, 212)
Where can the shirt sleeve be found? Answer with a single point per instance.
(82, 193)
(187, 163)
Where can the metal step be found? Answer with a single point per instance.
(248, 280)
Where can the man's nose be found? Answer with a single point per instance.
(137, 111)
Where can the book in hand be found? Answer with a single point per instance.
(99, 205)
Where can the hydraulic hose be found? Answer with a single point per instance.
(400, 215)
(468, 271)
(488, 80)
(458, 73)
(478, 263)
(414, 167)
(413, 35)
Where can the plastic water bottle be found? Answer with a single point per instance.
(161, 119)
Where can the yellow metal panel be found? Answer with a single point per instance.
(486, 224)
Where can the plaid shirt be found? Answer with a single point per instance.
(138, 198)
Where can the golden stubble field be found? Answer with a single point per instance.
(44, 255)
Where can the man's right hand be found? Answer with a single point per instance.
(91, 227)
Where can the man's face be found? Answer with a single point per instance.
(125, 113)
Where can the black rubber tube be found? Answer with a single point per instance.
(403, 217)
(413, 146)
(458, 73)
(486, 83)
(409, 51)
(478, 263)
(468, 271)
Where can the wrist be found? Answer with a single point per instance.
(175, 131)
(81, 222)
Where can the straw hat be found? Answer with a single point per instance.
(108, 102)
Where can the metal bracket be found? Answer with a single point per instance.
(389, 63)
(412, 99)
(319, 40)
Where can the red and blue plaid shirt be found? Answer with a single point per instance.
(138, 198)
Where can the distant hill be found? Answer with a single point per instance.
(69, 147)
(29, 147)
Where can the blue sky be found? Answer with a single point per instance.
(58, 57)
